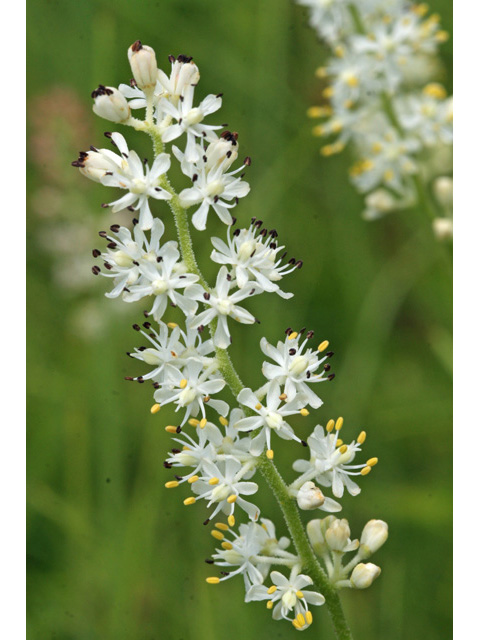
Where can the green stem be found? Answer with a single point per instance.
(266, 466)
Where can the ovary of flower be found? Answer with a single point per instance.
(221, 485)
(213, 186)
(162, 279)
(270, 417)
(288, 597)
(125, 253)
(295, 367)
(252, 253)
(190, 389)
(330, 461)
(222, 304)
(127, 171)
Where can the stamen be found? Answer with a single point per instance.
(222, 526)
(227, 546)
(172, 325)
(223, 421)
(339, 424)
(231, 499)
(293, 335)
(309, 617)
(270, 454)
(171, 484)
(299, 594)
(189, 501)
(192, 479)
(271, 589)
(155, 408)
(361, 437)
(202, 423)
(231, 520)
(183, 383)
(217, 534)
(366, 470)
(301, 619)
(171, 429)
(304, 412)
(323, 345)
(194, 422)
(339, 443)
(270, 604)
(213, 481)
(372, 462)
(258, 406)
(213, 580)
(330, 425)
(343, 448)
(283, 396)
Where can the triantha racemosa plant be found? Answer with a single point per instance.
(380, 96)
(218, 446)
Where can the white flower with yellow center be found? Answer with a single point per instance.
(330, 460)
(287, 597)
(191, 389)
(127, 171)
(296, 367)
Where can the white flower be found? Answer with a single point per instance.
(296, 366)
(222, 304)
(191, 389)
(364, 574)
(162, 276)
(213, 186)
(330, 460)
(190, 121)
(374, 535)
(309, 496)
(252, 253)
(125, 253)
(127, 171)
(270, 417)
(428, 116)
(252, 551)
(222, 485)
(184, 77)
(110, 104)
(327, 17)
(288, 598)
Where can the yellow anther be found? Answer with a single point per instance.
(172, 484)
(183, 383)
(435, 90)
(328, 92)
(420, 9)
(172, 325)
(339, 442)
(377, 147)
(309, 617)
(293, 335)
(270, 454)
(361, 437)
(223, 421)
(185, 448)
(222, 526)
(193, 422)
(339, 424)
(352, 81)
(301, 619)
(299, 594)
(189, 501)
(258, 406)
(192, 479)
(339, 51)
(226, 545)
(212, 580)
(348, 104)
(296, 624)
(271, 589)
(202, 423)
(330, 425)
(270, 604)
(372, 462)
(304, 412)
(321, 72)
(327, 150)
(282, 396)
(343, 448)
(171, 429)
(388, 175)
(231, 499)
(316, 112)
(213, 481)
(318, 131)
(441, 36)
(336, 126)
(366, 470)
(231, 520)
(217, 534)
(155, 408)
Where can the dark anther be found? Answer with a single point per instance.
(134, 220)
(147, 325)
(104, 205)
(209, 561)
(115, 228)
(95, 270)
(236, 232)
(112, 245)
(329, 354)
(310, 334)
(299, 264)
(136, 46)
(308, 375)
(206, 295)
(304, 443)
(292, 352)
(288, 331)
(167, 465)
(207, 521)
(142, 348)
(248, 161)
(195, 177)
(129, 378)
(331, 376)
(96, 253)
(107, 265)
(327, 367)
(136, 327)
(175, 450)
(229, 277)
(179, 429)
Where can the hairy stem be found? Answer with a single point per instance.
(267, 468)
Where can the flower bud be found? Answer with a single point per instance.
(110, 104)
(443, 228)
(92, 165)
(310, 497)
(364, 574)
(144, 65)
(443, 190)
(338, 535)
(379, 203)
(374, 535)
(316, 533)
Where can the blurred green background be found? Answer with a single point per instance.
(114, 555)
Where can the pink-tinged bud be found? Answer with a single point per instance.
(374, 535)
(364, 574)
(110, 104)
(310, 497)
(144, 65)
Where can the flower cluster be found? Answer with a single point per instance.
(219, 446)
(378, 95)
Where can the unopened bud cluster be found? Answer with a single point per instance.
(218, 446)
(380, 96)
